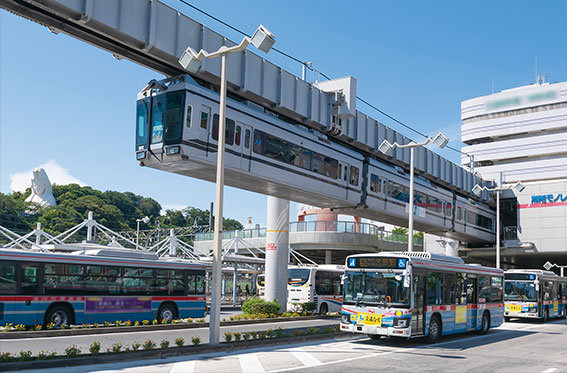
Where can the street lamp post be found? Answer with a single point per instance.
(146, 220)
(386, 148)
(519, 187)
(191, 60)
(549, 265)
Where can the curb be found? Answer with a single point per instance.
(145, 328)
(164, 353)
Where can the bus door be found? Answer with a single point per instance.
(8, 288)
(472, 301)
(244, 136)
(28, 304)
(418, 310)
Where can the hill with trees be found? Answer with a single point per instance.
(115, 210)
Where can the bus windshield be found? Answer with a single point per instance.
(520, 290)
(297, 276)
(375, 288)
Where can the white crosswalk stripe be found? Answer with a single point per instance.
(249, 363)
(305, 357)
(183, 367)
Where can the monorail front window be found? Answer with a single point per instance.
(158, 118)
(142, 115)
(175, 102)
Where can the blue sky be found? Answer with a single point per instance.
(70, 105)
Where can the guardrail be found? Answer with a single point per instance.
(319, 226)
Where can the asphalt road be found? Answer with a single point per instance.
(514, 347)
(83, 342)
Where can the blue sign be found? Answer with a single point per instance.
(532, 277)
(549, 198)
(352, 262)
(401, 263)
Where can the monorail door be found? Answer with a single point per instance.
(245, 146)
(418, 310)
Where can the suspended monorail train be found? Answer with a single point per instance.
(177, 131)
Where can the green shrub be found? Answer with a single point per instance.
(280, 332)
(116, 347)
(136, 346)
(313, 331)
(254, 335)
(164, 343)
(149, 345)
(155, 322)
(94, 348)
(196, 340)
(237, 336)
(25, 355)
(259, 306)
(262, 335)
(179, 342)
(72, 351)
(6, 356)
(45, 355)
(228, 337)
(269, 333)
(246, 336)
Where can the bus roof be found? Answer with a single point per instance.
(103, 255)
(434, 261)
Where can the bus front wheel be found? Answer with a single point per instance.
(58, 316)
(323, 309)
(434, 329)
(166, 312)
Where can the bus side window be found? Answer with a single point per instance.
(7, 278)
(434, 288)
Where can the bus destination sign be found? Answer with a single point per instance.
(377, 263)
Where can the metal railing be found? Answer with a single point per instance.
(319, 226)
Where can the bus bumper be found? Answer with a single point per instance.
(376, 330)
(521, 314)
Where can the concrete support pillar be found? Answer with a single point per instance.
(328, 257)
(277, 249)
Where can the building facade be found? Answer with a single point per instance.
(520, 134)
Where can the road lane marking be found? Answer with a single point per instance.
(305, 357)
(550, 370)
(183, 367)
(249, 363)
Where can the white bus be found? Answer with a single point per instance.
(315, 284)
(419, 294)
(534, 293)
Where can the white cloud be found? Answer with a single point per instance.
(57, 175)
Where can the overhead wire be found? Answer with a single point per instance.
(312, 69)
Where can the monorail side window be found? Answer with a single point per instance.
(340, 171)
(7, 278)
(205, 111)
(448, 209)
(353, 175)
(229, 130)
(157, 119)
(345, 174)
(247, 138)
(258, 142)
(188, 119)
(237, 135)
(142, 113)
(375, 184)
(459, 213)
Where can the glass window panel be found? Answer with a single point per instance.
(247, 138)
(7, 278)
(237, 135)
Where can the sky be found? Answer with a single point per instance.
(69, 107)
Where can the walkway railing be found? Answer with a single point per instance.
(319, 226)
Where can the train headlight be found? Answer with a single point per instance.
(401, 323)
(345, 319)
(172, 150)
(140, 155)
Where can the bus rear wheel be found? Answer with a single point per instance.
(166, 312)
(323, 309)
(58, 316)
(485, 324)
(434, 329)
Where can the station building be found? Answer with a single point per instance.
(520, 134)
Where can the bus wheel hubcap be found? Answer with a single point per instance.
(167, 315)
(59, 318)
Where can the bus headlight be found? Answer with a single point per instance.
(401, 323)
(345, 319)
(532, 310)
(172, 150)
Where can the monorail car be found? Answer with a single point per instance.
(177, 131)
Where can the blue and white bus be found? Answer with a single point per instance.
(534, 293)
(97, 285)
(419, 294)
